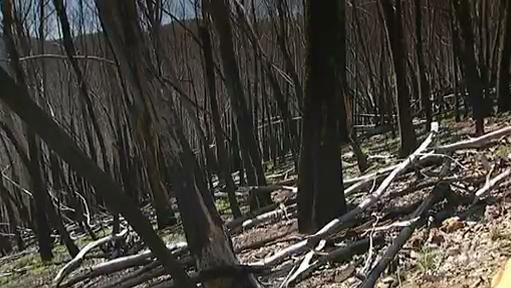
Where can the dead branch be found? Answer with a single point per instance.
(338, 223)
(282, 211)
(338, 255)
(419, 215)
(474, 142)
(235, 225)
(122, 263)
(78, 259)
(492, 183)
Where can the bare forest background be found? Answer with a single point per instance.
(149, 114)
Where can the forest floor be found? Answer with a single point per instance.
(462, 245)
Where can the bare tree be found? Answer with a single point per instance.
(503, 95)
(469, 63)
(120, 23)
(320, 189)
(394, 29)
(220, 11)
(58, 140)
(425, 95)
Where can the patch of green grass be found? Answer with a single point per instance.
(503, 151)
(29, 271)
(222, 205)
(428, 261)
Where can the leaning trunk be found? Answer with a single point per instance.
(223, 160)
(253, 165)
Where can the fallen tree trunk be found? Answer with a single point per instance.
(492, 183)
(122, 263)
(419, 215)
(342, 254)
(78, 259)
(337, 224)
(473, 143)
(283, 211)
(234, 225)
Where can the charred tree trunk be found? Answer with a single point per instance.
(223, 167)
(423, 80)
(41, 222)
(394, 28)
(119, 20)
(206, 237)
(87, 107)
(58, 140)
(320, 188)
(32, 161)
(253, 165)
(503, 95)
(467, 55)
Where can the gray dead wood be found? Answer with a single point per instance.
(78, 259)
(339, 255)
(339, 223)
(122, 263)
(474, 143)
(419, 216)
(492, 183)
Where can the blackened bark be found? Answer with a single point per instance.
(253, 165)
(206, 237)
(423, 80)
(320, 188)
(467, 56)
(58, 140)
(223, 160)
(87, 106)
(394, 28)
(119, 20)
(503, 95)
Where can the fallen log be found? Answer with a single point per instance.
(235, 225)
(339, 255)
(370, 178)
(231, 271)
(492, 183)
(418, 217)
(123, 263)
(272, 239)
(78, 259)
(337, 224)
(282, 211)
(473, 143)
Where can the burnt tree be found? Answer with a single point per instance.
(320, 187)
(396, 39)
(220, 11)
(503, 95)
(467, 56)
